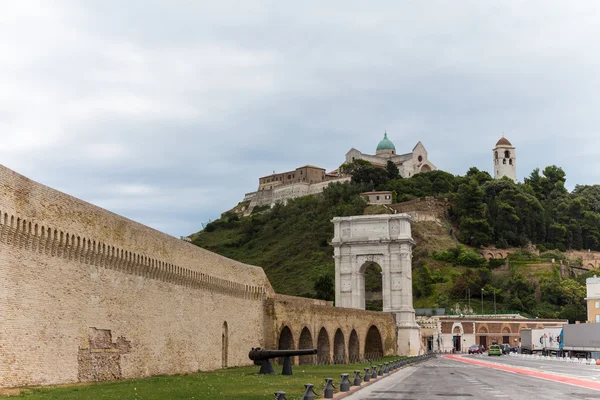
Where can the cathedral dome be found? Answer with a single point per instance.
(386, 144)
(503, 142)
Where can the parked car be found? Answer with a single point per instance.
(505, 348)
(495, 350)
(475, 349)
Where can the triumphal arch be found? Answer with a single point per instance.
(386, 240)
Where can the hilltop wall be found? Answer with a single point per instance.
(283, 193)
(87, 295)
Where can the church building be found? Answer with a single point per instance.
(408, 164)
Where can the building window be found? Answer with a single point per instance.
(510, 161)
(496, 153)
(507, 154)
(387, 196)
(597, 304)
(598, 318)
(289, 176)
(420, 158)
(504, 161)
(377, 197)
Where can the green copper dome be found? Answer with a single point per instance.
(386, 144)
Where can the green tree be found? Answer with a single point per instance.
(325, 287)
(392, 170)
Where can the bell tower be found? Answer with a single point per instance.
(505, 160)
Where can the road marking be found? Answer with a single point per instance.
(536, 374)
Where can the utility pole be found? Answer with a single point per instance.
(469, 292)
(494, 301)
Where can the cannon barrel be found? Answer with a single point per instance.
(258, 354)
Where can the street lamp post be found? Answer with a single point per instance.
(494, 301)
(481, 301)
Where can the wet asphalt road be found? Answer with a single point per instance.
(442, 378)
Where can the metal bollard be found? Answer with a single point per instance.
(280, 396)
(328, 390)
(357, 379)
(344, 383)
(367, 374)
(373, 372)
(309, 393)
(386, 368)
(380, 371)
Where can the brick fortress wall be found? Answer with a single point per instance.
(88, 295)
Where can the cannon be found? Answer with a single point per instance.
(263, 358)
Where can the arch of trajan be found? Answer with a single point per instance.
(385, 240)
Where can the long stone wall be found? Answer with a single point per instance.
(88, 295)
(316, 323)
(283, 193)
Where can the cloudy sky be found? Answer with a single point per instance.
(167, 111)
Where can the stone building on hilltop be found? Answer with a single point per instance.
(408, 164)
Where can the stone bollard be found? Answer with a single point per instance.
(344, 383)
(309, 392)
(373, 372)
(380, 371)
(367, 374)
(386, 368)
(280, 396)
(328, 390)
(357, 379)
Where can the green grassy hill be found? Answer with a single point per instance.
(291, 243)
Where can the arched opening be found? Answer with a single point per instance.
(306, 342)
(506, 335)
(323, 347)
(224, 345)
(371, 277)
(425, 168)
(456, 339)
(496, 154)
(483, 332)
(286, 340)
(373, 344)
(353, 348)
(339, 348)
(506, 154)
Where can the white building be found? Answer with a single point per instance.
(505, 160)
(408, 164)
(593, 299)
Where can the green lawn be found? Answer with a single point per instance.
(241, 383)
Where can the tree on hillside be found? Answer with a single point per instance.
(474, 228)
(373, 176)
(392, 170)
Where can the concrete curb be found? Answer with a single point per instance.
(354, 389)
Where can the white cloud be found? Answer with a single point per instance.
(190, 102)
